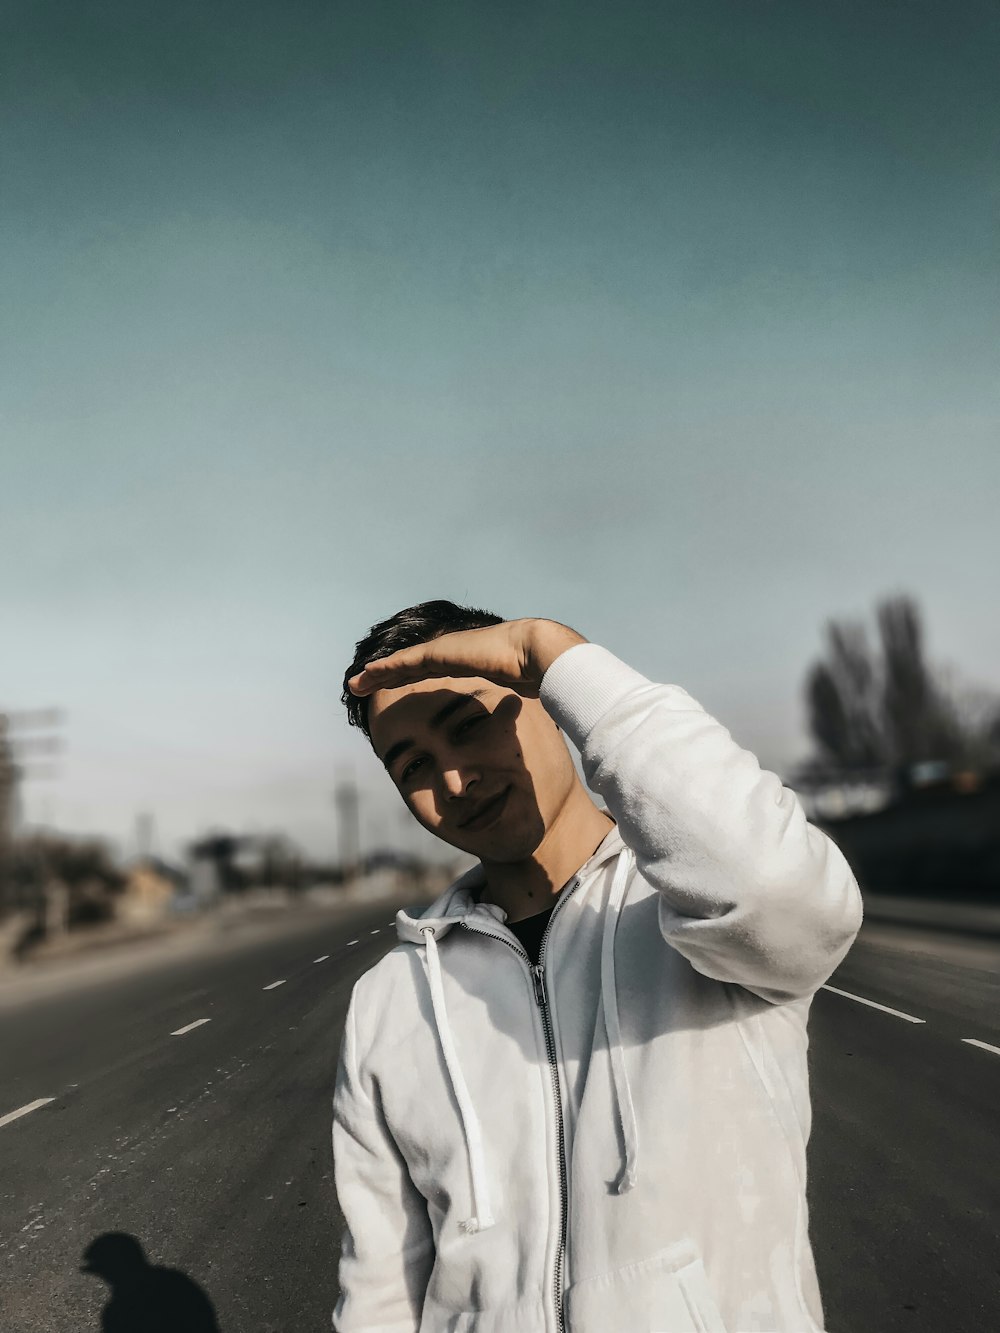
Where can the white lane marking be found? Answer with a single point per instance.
(275, 983)
(190, 1027)
(897, 1013)
(322, 958)
(350, 942)
(970, 1041)
(32, 1106)
(375, 931)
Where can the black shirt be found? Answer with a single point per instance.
(530, 931)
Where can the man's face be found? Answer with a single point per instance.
(478, 765)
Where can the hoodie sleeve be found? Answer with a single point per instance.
(750, 891)
(387, 1248)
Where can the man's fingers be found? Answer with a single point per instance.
(496, 652)
(511, 653)
(403, 668)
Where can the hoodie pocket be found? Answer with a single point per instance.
(667, 1293)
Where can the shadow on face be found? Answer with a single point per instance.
(453, 747)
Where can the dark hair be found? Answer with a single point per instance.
(417, 624)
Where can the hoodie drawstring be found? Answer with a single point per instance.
(470, 1123)
(483, 1217)
(609, 1000)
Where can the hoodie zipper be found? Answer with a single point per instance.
(537, 971)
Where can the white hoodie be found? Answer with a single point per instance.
(613, 1141)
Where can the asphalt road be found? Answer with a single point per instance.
(905, 1149)
(211, 1148)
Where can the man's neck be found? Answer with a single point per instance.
(523, 888)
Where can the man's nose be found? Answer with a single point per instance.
(458, 781)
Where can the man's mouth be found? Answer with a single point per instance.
(487, 813)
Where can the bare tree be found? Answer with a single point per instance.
(977, 718)
(888, 707)
(843, 696)
(920, 721)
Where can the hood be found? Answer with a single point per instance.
(448, 910)
(458, 904)
(458, 901)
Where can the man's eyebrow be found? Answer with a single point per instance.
(453, 705)
(439, 718)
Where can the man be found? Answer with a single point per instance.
(574, 1098)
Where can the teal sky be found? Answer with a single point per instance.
(677, 322)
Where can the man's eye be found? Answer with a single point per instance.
(410, 769)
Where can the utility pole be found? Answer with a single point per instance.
(14, 745)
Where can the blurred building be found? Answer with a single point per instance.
(150, 890)
(936, 836)
(835, 794)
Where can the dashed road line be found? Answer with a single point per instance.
(375, 931)
(322, 958)
(350, 942)
(969, 1041)
(190, 1027)
(275, 983)
(897, 1013)
(23, 1110)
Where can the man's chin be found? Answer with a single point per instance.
(506, 846)
(516, 837)
(506, 855)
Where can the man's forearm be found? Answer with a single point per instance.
(548, 640)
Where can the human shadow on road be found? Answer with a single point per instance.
(145, 1298)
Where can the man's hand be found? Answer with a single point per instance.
(516, 653)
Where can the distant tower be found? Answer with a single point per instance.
(8, 800)
(348, 801)
(145, 835)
